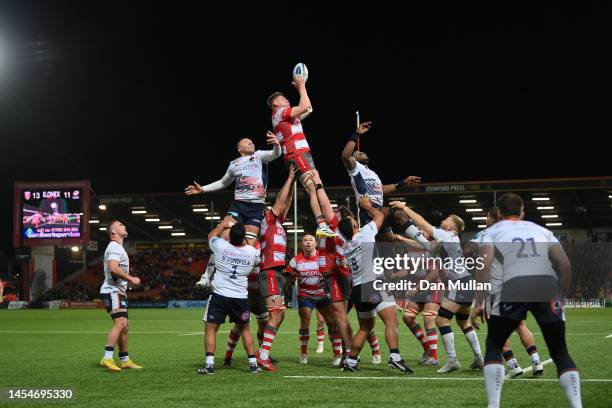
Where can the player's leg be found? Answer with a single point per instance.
(366, 324)
(116, 308)
(430, 313)
(249, 347)
(324, 308)
(387, 312)
(514, 369)
(271, 287)
(337, 288)
(443, 321)
(528, 340)
(311, 181)
(210, 345)
(126, 362)
(232, 341)
(552, 324)
(463, 320)
(499, 329)
(320, 332)
(304, 311)
(409, 317)
(374, 346)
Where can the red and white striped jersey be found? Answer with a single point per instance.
(331, 252)
(289, 132)
(273, 241)
(306, 270)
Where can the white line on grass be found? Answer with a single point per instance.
(529, 369)
(408, 377)
(608, 336)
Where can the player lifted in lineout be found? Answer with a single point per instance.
(250, 171)
(287, 127)
(366, 182)
(116, 279)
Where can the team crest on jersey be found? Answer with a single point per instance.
(245, 316)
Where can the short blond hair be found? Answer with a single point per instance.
(459, 223)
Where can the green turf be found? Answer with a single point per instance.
(61, 349)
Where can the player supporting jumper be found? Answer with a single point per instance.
(366, 182)
(305, 268)
(456, 302)
(234, 261)
(359, 252)
(116, 279)
(536, 274)
(250, 171)
(471, 249)
(273, 247)
(288, 129)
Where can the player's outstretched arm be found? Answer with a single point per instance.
(267, 156)
(283, 200)
(377, 216)
(347, 153)
(415, 217)
(392, 188)
(562, 266)
(300, 84)
(220, 184)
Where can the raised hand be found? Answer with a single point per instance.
(194, 188)
(364, 127)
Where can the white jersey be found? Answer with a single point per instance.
(521, 247)
(115, 252)
(232, 267)
(366, 182)
(452, 245)
(496, 267)
(359, 253)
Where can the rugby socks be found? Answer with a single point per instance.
(304, 337)
(420, 335)
(395, 354)
(321, 335)
(259, 338)
(494, 380)
(336, 343)
(510, 359)
(124, 356)
(232, 341)
(432, 343)
(268, 338)
(472, 338)
(373, 340)
(533, 353)
(448, 338)
(210, 359)
(108, 352)
(252, 359)
(570, 381)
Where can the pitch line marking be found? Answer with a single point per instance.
(408, 377)
(608, 336)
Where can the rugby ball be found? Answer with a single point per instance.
(300, 69)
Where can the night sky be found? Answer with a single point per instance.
(145, 98)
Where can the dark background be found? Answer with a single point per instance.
(145, 97)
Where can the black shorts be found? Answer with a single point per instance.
(247, 213)
(114, 301)
(368, 300)
(257, 304)
(365, 218)
(219, 307)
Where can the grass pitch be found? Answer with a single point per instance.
(61, 349)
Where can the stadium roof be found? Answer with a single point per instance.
(575, 203)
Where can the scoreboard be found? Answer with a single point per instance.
(51, 213)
